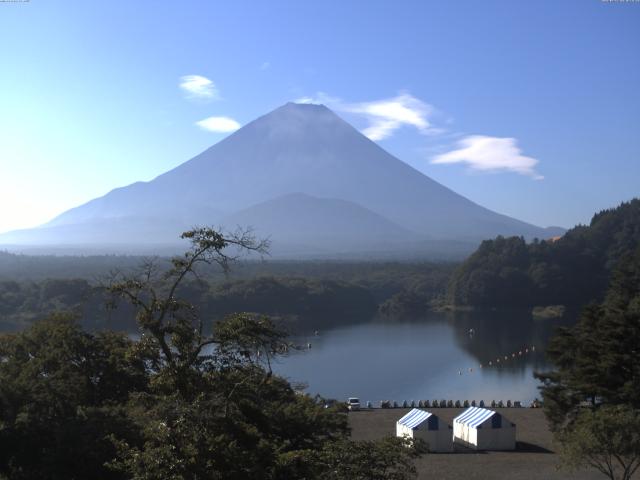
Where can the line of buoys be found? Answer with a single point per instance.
(504, 358)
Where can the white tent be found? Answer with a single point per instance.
(483, 429)
(428, 427)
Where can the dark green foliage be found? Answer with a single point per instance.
(61, 396)
(388, 459)
(382, 279)
(322, 297)
(607, 439)
(421, 292)
(592, 398)
(22, 303)
(599, 358)
(37, 268)
(573, 270)
(286, 296)
(307, 299)
(237, 424)
(183, 402)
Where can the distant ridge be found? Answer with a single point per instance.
(299, 173)
(571, 270)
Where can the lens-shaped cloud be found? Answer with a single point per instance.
(219, 124)
(199, 87)
(490, 154)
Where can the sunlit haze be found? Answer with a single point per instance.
(95, 96)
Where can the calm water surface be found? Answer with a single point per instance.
(424, 359)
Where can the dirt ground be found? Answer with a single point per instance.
(534, 458)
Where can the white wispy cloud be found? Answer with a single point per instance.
(323, 98)
(265, 65)
(491, 154)
(199, 87)
(387, 116)
(384, 116)
(306, 100)
(219, 124)
(479, 152)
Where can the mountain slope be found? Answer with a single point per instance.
(295, 148)
(302, 223)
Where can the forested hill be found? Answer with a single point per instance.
(573, 270)
(308, 295)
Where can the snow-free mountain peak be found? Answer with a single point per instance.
(297, 148)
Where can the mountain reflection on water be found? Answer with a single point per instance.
(437, 357)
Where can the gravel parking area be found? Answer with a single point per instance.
(534, 458)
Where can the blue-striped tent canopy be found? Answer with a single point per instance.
(474, 416)
(414, 418)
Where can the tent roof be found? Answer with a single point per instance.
(474, 416)
(414, 418)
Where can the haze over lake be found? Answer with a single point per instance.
(421, 359)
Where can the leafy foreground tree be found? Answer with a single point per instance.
(592, 399)
(186, 401)
(62, 393)
(608, 439)
(388, 459)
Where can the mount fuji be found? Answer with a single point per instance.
(300, 175)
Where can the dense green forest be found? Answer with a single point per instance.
(158, 406)
(189, 399)
(381, 277)
(592, 395)
(504, 272)
(21, 267)
(302, 294)
(572, 270)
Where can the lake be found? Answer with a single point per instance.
(436, 357)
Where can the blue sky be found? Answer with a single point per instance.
(485, 97)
